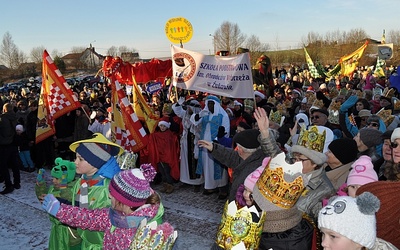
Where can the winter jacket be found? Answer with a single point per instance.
(8, 121)
(99, 220)
(318, 188)
(338, 176)
(241, 168)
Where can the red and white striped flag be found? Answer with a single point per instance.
(56, 99)
(126, 127)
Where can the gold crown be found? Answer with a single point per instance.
(312, 139)
(334, 105)
(310, 95)
(281, 108)
(237, 225)
(318, 104)
(388, 93)
(333, 93)
(396, 104)
(167, 108)
(386, 116)
(248, 103)
(271, 100)
(343, 92)
(377, 91)
(310, 99)
(288, 103)
(275, 116)
(277, 190)
(151, 236)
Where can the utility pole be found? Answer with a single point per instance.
(215, 47)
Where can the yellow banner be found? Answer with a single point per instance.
(350, 62)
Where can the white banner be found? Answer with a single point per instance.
(220, 75)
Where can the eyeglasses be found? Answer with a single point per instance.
(297, 159)
(373, 124)
(314, 117)
(393, 145)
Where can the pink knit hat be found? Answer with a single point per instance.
(362, 172)
(132, 187)
(252, 178)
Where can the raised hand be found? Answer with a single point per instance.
(262, 120)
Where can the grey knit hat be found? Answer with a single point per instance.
(370, 137)
(317, 157)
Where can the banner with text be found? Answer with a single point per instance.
(220, 75)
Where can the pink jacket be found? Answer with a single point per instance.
(98, 220)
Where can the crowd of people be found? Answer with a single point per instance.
(316, 155)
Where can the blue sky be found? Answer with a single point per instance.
(139, 24)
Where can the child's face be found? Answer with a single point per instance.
(352, 189)
(18, 132)
(56, 182)
(248, 196)
(162, 128)
(335, 241)
(84, 167)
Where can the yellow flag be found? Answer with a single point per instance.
(350, 62)
(142, 110)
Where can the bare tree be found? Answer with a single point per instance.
(37, 54)
(9, 53)
(55, 53)
(228, 37)
(112, 51)
(254, 45)
(123, 49)
(356, 36)
(312, 38)
(394, 37)
(78, 49)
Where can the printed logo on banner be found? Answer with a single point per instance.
(154, 87)
(186, 66)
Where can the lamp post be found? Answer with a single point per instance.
(215, 50)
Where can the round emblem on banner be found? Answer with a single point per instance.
(184, 66)
(178, 30)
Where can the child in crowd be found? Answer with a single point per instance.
(96, 163)
(350, 223)
(244, 194)
(22, 141)
(164, 152)
(362, 172)
(132, 200)
(61, 236)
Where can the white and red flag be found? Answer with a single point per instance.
(56, 99)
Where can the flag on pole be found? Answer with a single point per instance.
(350, 62)
(311, 67)
(142, 110)
(126, 127)
(56, 99)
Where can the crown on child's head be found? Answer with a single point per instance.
(239, 225)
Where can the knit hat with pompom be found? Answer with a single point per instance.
(132, 187)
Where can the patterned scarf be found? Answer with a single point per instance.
(82, 197)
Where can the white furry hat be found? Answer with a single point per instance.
(166, 124)
(351, 217)
(259, 94)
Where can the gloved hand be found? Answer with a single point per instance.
(40, 177)
(204, 113)
(181, 100)
(51, 204)
(348, 103)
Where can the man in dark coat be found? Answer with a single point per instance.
(244, 160)
(8, 149)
